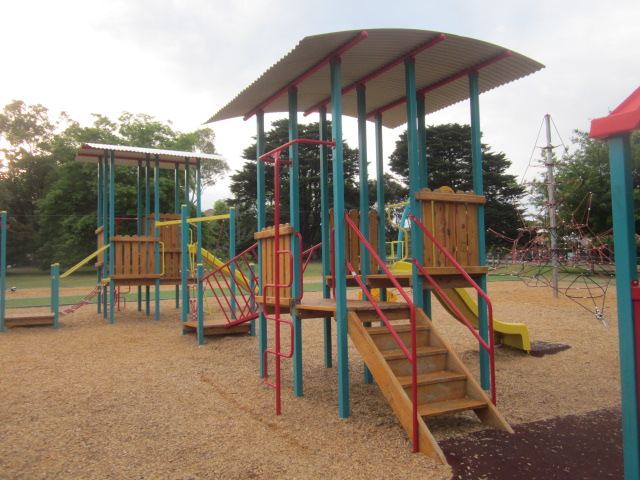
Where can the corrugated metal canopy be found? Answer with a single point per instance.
(129, 156)
(441, 72)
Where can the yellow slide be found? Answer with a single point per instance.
(213, 261)
(515, 335)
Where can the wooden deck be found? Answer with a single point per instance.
(211, 328)
(326, 307)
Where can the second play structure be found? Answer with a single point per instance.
(392, 77)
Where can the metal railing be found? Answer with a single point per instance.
(487, 345)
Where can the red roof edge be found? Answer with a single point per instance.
(625, 118)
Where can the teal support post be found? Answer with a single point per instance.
(339, 233)
(382, 238)
(112, 215)
(147, 223)
(198, 212)
(187, 180)
(55, 294)
(478, 188)
(156, 205)
(414, 174)
(424, 182)
(3, 268)
(325, 232)
(105, 229)
(139, 219)
(262, 223)
(232, 254)
(98, 224)
(184, 230)
(200, 272)
(252, 286)
(364, 195)
(294, 208)
(176, 210)
(626, 272)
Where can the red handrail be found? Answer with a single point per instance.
(411, 356)
(244, 299)
(274, 157)
(488, 346)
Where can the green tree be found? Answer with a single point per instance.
(29, 168)
(583, 183)
(449, 164)
(244, 189)
(52, 200)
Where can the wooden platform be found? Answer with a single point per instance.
(28, 320)
(211, 328)
(326, 307)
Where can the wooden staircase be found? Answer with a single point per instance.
(444, 384)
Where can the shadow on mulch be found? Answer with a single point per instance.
(587, 446)
(540, 349)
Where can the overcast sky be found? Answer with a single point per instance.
(183, 60)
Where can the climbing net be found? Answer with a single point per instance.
(584, 260)
(85, 301)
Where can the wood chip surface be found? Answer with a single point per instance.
(138, 400)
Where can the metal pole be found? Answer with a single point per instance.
(340, 267)
(478, 187)
(55, 293)
(414, 174)
(156, 204)
(262, 223)
(626, 272)
(326, 242)
(294, 209)
(382, 239)
(200, 271)
(185, 264)
(3, 267)
(551, 188)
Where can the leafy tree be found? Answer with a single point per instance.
(583, 182)
(449, 164)
(244, 188)
(52, 199)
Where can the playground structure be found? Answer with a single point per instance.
(358, 73)
(580, 265)
(616, 129)
(153, 257)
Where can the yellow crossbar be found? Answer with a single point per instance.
(194, 220)
(82, 262)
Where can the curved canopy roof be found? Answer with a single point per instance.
(129, 156)
(375, 58)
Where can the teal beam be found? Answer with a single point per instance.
(176, 210)
(262, 223)
(424, 183)
(200, 272)
(414, 174)
(325, 232)
(3, 268)
(198, 212)
(139, 206)
(98, 224)
(55, 294)
(187, 181)
(105, 228)
(294, 208)
(382, 237)
(364, 194)
(478, 188)
(232, 254)
(147, 222)
(156, 208)
(184, 236)
(626, 272)
(112, 216)
(339, 234)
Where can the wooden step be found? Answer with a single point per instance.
(384, 339)
(430, 359)
(28, 320)
(436, 386)
(217, 328)
(434, 409)
(431, 378)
